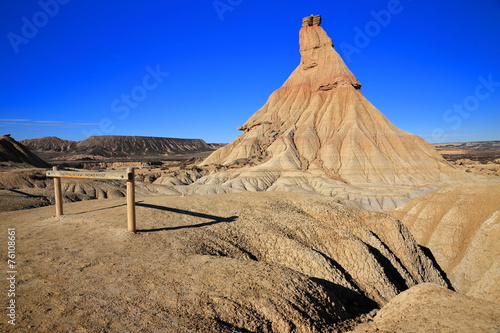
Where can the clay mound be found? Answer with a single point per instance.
(319, 121)
(460, 224)
(266, 262)
(15, 155)
(431, 308)
(361, 251)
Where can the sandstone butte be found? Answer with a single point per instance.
(318, 133)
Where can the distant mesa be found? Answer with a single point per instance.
(15, 155)
(111, 146)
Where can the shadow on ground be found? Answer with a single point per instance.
(27, 194)
(215, 219)
(429, 254)
(98, 209)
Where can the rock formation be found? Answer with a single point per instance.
(16, 155)
(115, 146)
(311, 20)
(460, 225)
(320, 124)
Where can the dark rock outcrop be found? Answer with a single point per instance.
(16, 155)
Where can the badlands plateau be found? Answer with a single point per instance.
(322, 216)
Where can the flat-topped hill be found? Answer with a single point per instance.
(114, 146)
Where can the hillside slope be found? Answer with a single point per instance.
(49, 144)
(15, 155)
(431, 308)
(460, 225)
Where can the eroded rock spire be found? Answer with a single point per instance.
(319, 123)
(311, 20)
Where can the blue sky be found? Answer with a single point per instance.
(200, 68)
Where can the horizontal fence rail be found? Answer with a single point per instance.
(92, 175)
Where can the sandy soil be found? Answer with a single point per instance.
(251, 262)
(247, 262)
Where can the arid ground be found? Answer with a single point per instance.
(322, 216)
(258, 262)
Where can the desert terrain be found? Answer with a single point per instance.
(474, 157)
(322, 216)
(254, 262)
(258, 262)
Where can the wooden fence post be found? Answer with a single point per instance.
(58, 194)
(131, 199)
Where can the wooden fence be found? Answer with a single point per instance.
(128, 176)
